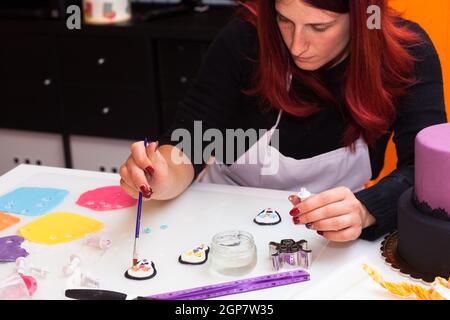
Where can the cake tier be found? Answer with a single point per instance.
(432, 168)
(423, 241)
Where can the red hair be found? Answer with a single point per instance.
(379, 72)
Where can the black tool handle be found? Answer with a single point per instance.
(94, 294)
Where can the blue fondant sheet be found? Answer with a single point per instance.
(32, 201)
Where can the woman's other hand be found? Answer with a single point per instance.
(335, 214)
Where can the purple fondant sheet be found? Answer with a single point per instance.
(10, 248)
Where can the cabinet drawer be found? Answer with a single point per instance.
(30, 147)
(121, 112)
(30, 97)
(103, 60)
(99, 154)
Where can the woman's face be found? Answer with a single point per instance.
(313, 36)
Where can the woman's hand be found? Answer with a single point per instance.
(145, 170)
(336, 214)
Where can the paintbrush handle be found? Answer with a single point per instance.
(138, 217)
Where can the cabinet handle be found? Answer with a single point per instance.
(47, 82)
(105, 110)
(183, 79)
(101, 61)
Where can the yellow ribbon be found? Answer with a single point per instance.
(407, 290)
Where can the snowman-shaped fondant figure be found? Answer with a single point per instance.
(143, 270)
(198, 255)
(268, 217)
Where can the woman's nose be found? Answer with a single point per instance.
(299, 44)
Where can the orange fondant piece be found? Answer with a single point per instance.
(7, 221)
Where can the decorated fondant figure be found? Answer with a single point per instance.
(195, 256)
(268, 217)
(143, 270)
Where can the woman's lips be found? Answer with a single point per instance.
(304, 59)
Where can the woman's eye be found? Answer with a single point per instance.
(320, 28)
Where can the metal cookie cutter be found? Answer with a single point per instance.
(291, 253)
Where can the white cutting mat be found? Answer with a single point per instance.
(193, 218)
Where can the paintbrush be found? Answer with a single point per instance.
(138, 222)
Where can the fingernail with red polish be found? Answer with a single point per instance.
(144, 189)
(296, 220)
(309, 225)
(320, 232)
(294, 200)
(150, 170)
(294, 212)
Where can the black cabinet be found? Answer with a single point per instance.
(29, 83)
(117, 112)
(119, 81)
(179, 61)
(104, 59)
(108, 85)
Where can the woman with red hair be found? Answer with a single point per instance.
(329, 88)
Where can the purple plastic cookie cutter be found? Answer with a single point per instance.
(291, 253)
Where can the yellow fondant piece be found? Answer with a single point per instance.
(59, 227)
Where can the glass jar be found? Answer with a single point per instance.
(233, 253)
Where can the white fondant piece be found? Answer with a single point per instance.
(304, 194)
(198, 255)
(143, 270)
(268, 216)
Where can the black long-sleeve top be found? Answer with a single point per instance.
(216, 98)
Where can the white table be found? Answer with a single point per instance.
(193, 218)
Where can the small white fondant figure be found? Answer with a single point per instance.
(268, 217)
(143, 270)
(198, 255)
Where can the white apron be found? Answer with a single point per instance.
(272, 170)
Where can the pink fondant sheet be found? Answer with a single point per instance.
(106, 199)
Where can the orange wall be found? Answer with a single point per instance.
(433, 16)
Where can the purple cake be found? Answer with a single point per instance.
(424, 211)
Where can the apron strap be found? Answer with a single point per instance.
(269, 140)
(278, 120)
